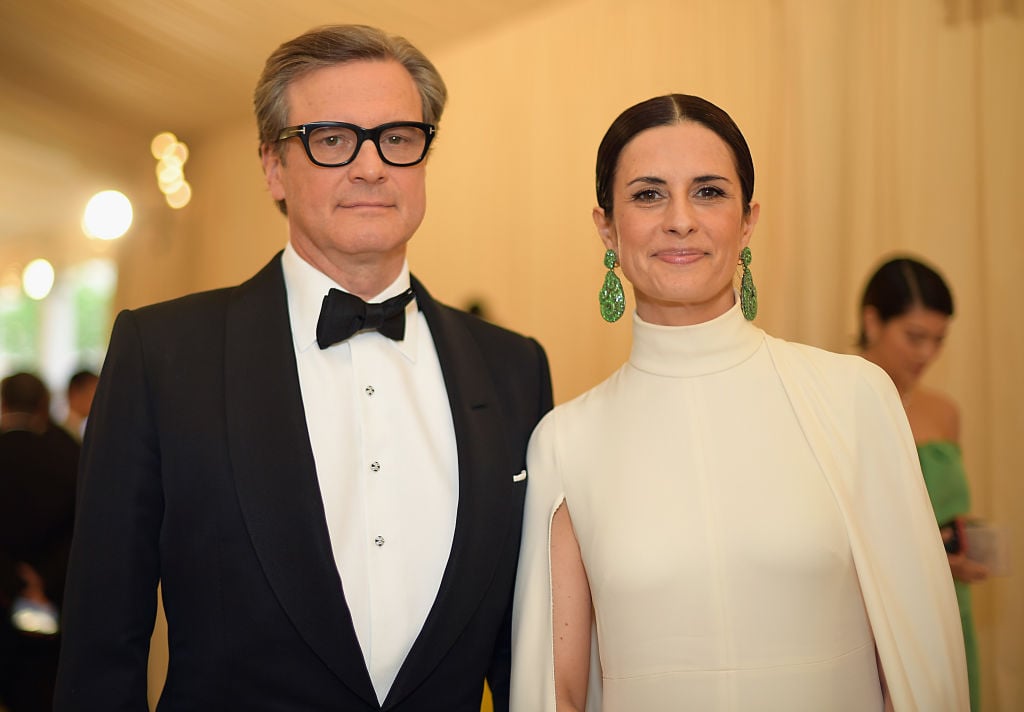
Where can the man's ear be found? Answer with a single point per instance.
(272, 167)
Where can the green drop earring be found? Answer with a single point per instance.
(611, 297)
(748, 292)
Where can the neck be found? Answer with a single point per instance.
(365, 276)
(677, 313)
(906, 390)
(22, 421)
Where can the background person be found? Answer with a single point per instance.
(740, 519)
(80, 392)
(330, 492)
(38, 462)
(905, 312)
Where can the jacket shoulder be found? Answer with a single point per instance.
(208, 305)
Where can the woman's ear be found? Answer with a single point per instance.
(872, 322)
(605, 229)
(750, 221)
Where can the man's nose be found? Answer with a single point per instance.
(367, 165)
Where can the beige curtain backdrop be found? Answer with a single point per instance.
(876, 127)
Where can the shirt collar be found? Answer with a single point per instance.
(307, 286)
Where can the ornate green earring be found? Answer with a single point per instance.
(611, 298)
(748, 292)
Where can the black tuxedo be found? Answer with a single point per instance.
(197, 471)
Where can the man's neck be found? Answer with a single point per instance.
(22, 421)
(364, 276)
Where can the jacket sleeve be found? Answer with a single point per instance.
(110, 599)
(499, 673)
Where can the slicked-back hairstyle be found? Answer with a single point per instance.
(901, 284)
(336, 44)
(666, 111)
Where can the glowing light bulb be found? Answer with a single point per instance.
(180, 197)
(108, 215)
(37, 279)
(162, 144)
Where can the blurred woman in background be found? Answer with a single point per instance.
(905, 313)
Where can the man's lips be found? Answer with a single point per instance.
(367, 204)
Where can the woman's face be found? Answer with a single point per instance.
(905, 345)
(678, 223)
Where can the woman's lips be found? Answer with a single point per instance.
(681, 257)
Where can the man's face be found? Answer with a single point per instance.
(362, 214)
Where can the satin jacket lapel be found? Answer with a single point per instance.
(485, 494)
(275, 475)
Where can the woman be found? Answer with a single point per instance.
(730, 521)
(905, 312)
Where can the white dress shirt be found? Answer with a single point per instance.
(381, 430)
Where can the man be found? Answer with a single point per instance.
(334, 519)
(38, 462)
(81, 389)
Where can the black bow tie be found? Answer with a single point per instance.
(343, 314)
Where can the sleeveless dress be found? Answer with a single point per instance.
(753, 523)
(944, 476)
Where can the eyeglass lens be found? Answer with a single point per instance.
(337, 144)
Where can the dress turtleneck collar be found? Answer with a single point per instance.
(698, 350)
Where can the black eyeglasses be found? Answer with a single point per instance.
(333, 143)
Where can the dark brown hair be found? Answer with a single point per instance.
(901, 284)
(665, 111)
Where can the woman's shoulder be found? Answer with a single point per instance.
(933, 415)
(936, 401)
(830, 366)
(578, 418)
(594, 398)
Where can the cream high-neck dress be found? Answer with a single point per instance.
(717, 545)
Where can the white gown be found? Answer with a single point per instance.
(731, 564)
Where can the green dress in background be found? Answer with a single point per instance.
(944, 476)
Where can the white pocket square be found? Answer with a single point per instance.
(520, 477)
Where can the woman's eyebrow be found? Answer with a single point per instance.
(647, 179)
(710, 177)
(661, 181)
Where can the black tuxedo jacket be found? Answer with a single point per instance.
(197, 472)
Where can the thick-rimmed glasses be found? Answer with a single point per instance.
(333, 143)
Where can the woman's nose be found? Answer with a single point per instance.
(679, 217)
(929, 350)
